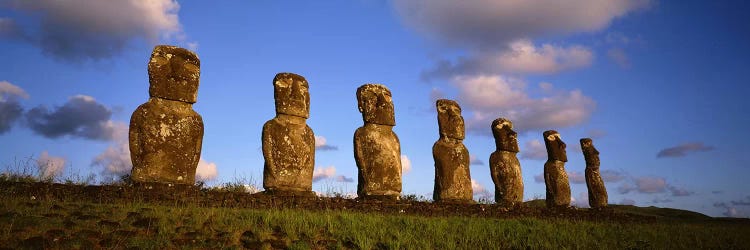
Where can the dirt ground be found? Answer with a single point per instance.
(171, 195)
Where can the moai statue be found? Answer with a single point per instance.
(377, 150)
(288, 143)
(594, 182)
(452, 178)
(166, 134)
(555, 177)
(504, 165)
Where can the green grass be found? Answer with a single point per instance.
(148, 226)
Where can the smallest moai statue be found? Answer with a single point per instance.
(452, 177)
(166, 134)
(594, 182)
(555, 177)
(288, 142)
(377, 150)
(505, 168)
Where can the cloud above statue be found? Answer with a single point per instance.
(80, 30)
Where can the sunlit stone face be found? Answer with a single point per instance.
(505, 138)
(376, 105)
(555, 146)
(291, 94)
(450, 121)
(590, 153)
(174, 74)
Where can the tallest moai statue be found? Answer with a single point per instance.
(166, 134)
(377, 150)
(288, 143)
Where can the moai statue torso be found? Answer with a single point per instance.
(452, 177)
(594, 182)
(166, 134)
(288, 143)
(555, 177)
(377, 150)
(504, 165)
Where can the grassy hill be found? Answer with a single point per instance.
(61, 216)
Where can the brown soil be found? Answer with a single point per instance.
(187, 195)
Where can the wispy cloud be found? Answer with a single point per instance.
(729, 211)
(321, 144)
(489, 96)
(652, 185)
(50, 166)
(684, 149)
(487, 23)
(323, 173)
(342, 178)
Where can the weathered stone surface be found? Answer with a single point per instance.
(288, 143)
(377, 150)
(505, 168)
(173, 73)
(166, 134)
(594, 182)
(555, 177)
(452, 176)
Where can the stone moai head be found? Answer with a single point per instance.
(555, 146)
(291, 94)
(173, 73)
(450, 121)
(375, 104)
(590, 154)
(505, 138)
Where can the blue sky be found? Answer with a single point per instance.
(659, 85)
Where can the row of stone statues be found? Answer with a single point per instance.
(166, 136)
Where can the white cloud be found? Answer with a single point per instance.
(405, 165)
(477, 187)
(115, 160)
(519, 57)
(524, 57)
(492, 96)
(321, 143)
(487, 23)
(323, 173)
(206, 171)
(8, 90)
(82, 29)
(582, 200)
(50, 166)
(534, 150)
